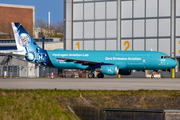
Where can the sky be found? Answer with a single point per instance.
(56, 7)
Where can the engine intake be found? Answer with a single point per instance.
(108, 69)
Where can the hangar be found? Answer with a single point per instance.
(123, 25)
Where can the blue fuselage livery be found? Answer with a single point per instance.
(127, 60)
(104, 62)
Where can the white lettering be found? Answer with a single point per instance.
(86, 55)
(106, 58)
(72, 55)
(114, 58)
(75, 54)
(59, 55)
(134, 58)
(118, 58)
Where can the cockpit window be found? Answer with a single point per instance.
(164, 57)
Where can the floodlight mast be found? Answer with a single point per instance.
(49, 17)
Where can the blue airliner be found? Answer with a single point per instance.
(104, 62)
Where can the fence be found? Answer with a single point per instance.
(40, 71)
(43, 71)
(20, 71)
(11, 70)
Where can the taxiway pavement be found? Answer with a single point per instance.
(91, 84)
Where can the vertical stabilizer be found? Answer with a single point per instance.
(28, 46)
(23, 39)
(17, 37)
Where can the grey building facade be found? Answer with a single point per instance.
(123, 25)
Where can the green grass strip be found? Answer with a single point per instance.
(51, 104)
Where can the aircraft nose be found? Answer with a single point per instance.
(173, 63)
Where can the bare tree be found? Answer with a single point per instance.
(56, 29)
(41, 25)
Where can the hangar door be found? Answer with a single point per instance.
(177, 28)
(146, 25)
(125, 25)
(95, 24)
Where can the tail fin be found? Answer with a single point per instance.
(29, 47)
(23, 39)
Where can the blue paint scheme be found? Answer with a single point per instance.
(143, 60)
(90, 60)
(109, 69)
(34, 52)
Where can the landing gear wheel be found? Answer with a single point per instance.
(90, 75)
(100, 75)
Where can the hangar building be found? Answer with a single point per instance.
(123, 25)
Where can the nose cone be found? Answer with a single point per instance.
(172, 63)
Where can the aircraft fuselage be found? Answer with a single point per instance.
(130, 60)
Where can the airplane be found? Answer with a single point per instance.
(101, 61)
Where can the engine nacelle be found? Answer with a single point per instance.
(124, 72)
(108, 69)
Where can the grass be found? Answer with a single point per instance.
(31, 104)
(51, 104)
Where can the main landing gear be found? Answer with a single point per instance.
(100, 75)
(91, 75)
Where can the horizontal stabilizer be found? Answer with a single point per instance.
(15, 55)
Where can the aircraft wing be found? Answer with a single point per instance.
(84, 62)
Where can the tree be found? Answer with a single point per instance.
(40, 26)
(40, 23)
(56, 29)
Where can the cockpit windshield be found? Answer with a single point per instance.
(164, 57)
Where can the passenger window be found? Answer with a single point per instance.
(161, 57)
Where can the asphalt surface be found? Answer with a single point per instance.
(91, 84)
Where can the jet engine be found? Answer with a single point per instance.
(108, 69)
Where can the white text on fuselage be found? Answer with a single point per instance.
(118, 58)
(75, 55)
